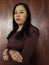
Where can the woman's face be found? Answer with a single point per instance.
(20, 14)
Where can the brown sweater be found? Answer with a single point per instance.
(27, 47)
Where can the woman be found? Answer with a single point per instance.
(23, 39)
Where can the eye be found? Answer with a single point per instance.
(21, 12)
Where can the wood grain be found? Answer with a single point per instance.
(40, 18)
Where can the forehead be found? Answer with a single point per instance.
(20, 7)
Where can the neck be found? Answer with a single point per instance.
(19, 28)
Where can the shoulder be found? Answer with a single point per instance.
(34, 30)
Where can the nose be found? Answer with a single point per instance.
(18, 14)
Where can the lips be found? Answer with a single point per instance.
(18, 19)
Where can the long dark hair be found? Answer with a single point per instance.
(26, 25)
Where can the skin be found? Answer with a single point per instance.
(20, 12)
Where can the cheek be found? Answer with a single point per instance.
(15, 17)
(24, 17)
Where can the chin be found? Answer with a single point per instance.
(19, 23)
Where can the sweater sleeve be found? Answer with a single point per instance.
(29, 47)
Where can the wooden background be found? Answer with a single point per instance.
(40, 18)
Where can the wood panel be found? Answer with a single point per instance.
(40, 18)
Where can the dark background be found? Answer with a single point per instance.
(40, 18)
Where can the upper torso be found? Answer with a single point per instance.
(26, 46)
